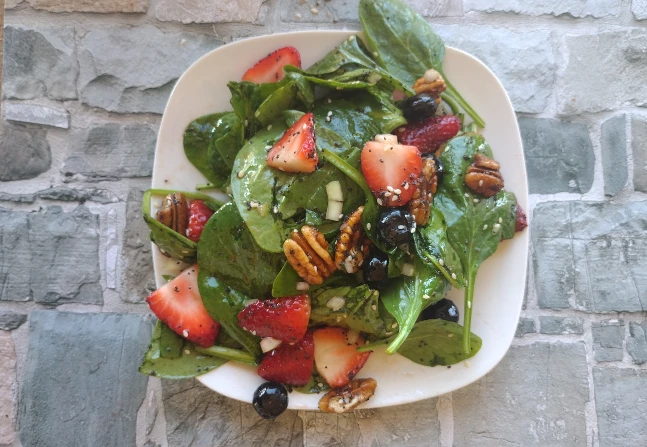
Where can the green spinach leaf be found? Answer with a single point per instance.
(227, 140)
(359, 309)
(433, 343)
(197, 138)
(285, 283)
(407, 296)
(475, 225)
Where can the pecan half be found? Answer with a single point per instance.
(432, 82)
(483, 176)
(352, 244)
(420, 203)
(344, 399)
(175, 213)
(307, 253)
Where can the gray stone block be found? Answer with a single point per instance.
(561, 325)
(111, 151)
(637, 342)
(621, 405)
(525, 326)
(559, 156)
(25, 152)
(536, 396)
(101, 6)
(134, 69)
(639, 9)
(34, 114)
(523, 61)
(207, 11)
(607, 340)
(11, 320)
(588, 86)
(81, 385)
(138, 281)
(39, 61)
(50, 256)
(7, 384)
(590, 256)
(639, 146)
(65, 194)
(614, 154)
(196, 416)
(17, 198)
(571, 8)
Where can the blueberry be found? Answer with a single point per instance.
(376, 269)
(419, 107)
(394, 226)
(442, 310)
(270, 400)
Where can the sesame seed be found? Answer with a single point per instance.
(341, 216)
(269, 127)
(441, 262)
(320, 385)
(388, 333)
(387, 194)
(275, 209)
(241, 173)
(496, 228)
(425, 297)
(374, 53)
(394, 325)
(389, 188)
(314, 11)
(500, 220)
(379, 202)
(397, 191)
(450, 335)
(305, 127)
(467, 195)
(394, 198)
(297, 15)
(185, 333)
(484, 227)
(402, 227)
(374, 307)
(480, 182)
(351, 38)
(329, 101)
(187, 352)
(469, 304)
(368, 226)
(406, 186)
(476, 200)
(453, 275)
(330, 113)
(268, 147)
(467, 364)
(327, 119)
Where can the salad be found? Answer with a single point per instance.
(359, 192)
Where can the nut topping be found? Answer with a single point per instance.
(174, 213)
(352, 244)
(420, 204)
(307, 253)
(344, 399)
(432, 82)
(483, 176)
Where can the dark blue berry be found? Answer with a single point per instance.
(270, 400)
(442, 310)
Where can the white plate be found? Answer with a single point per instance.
(501, 280)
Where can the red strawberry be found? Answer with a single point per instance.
(390, 171)
(428, 135)
(522, 220)
(179, 305)
(296, 151)
(289, 364)
(199, 214)
(284, 319)
(336, 356)
(270, 68)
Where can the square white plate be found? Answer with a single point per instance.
(500, 285)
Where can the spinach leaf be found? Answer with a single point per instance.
(227, 140)
(407, 296)
(432, 246)
(434, 342)
(160, 363)
(405, 44)
(475, 225)
(174, 244)
(285, 283)
(197, 138)
(359, 310)
(227, 251)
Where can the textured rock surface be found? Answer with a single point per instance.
(111, 150)
(39, 62)
(205, 11)
(534, 397)
(29, 113)
(525, 326)
(590, 256)
(637, 342)
(91, 5)
(614, 154)
(559, 156)
(639, 9)
(7, 383)
(574, 8)
(561, 325)
(93, 397)
(607, 340)
(134, 69)
(25, 152)
(588, 86)
(621, 404)
(50, 256)
(639, 145)
(11, 320)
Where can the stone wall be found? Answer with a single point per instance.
(84, 83)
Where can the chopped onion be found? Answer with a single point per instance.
(408, 269)
(336, 303)
(386, 138)
(352, 336)
(334, 191)
(303, 286)
(334, 210)
(269, 343)
(249, 302)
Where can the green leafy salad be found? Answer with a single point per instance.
(360, 191)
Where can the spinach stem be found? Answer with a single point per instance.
(451, 103)
(467, 323)
(228, 353)
(205, 186)
(453, 94)
(372, 346)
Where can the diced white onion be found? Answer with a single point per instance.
(334, 191)
(269, 343)
(408, 270)
(386, 138)
(352, 336)
(249, 302)
(303, 286)
(336, 303)
(334, 210)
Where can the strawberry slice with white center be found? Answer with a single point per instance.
(270, 68)
(391, 171)
(296, 151)
(179, 305)
(336, 356)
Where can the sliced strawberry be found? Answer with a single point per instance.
(428, 135)
(179, 305)
(199, 214)
(391, 171)
(522, 220)
(296, 151)
(284, 319)
(270, 68)
(289, 364)
(336, 356)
